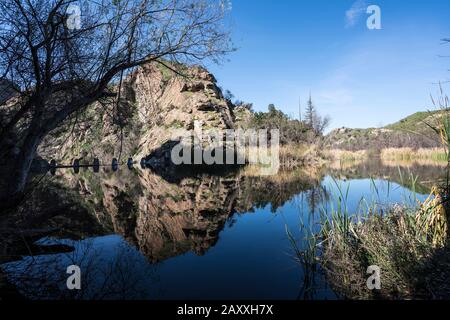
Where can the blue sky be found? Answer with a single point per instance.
(360, 77)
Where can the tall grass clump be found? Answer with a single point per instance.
(307, 254)
(392, 238)
(432, 219)
(409, 243)
(435, 210)
(441, 127)
(291, 156)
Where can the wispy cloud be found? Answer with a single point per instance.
(336, 97)
(353, 14)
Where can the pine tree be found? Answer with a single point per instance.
(310, 113)
(312, 118)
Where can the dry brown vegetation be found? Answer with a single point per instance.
(409, 154)
(346, 155)
(406, 245)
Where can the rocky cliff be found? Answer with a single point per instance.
(154, 104)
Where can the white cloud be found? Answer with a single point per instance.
(353, 14)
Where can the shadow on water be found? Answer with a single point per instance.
(141, 234)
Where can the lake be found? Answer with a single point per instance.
(203, 236)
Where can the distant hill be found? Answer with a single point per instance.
(416, 121)
(410, 132)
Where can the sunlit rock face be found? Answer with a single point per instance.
(155, 105)
(175, 103)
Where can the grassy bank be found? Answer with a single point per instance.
(301, 155)
(409, 246)
(408, 154)
(291, 157)
(345, 155)
(390, 155)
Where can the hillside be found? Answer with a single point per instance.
(410, 132)
(416, 121)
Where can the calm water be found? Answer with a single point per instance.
(204, 237)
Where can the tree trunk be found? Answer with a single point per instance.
(18, 171)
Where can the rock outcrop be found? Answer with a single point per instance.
(155, 105)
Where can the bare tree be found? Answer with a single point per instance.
(60, 56)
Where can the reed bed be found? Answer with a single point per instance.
(308, 156)
(344, 155)
(294, 155)
(283, 176)
(411, 164)
(408, 154)
(401, 240)
(408, 243)
(294, 152)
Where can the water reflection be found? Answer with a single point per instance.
(200, 237)
(110, 269)
(401, 172)
(164, 219)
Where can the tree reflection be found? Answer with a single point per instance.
(112, 272)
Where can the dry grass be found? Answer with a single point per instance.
(408, 154)
(403, 243)
(342, 159)
(295, 156)
(293, 153)
(289, 157)
(413, 163)
(432, 219)
(388, 242)
(344, 155)
(283, 176)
